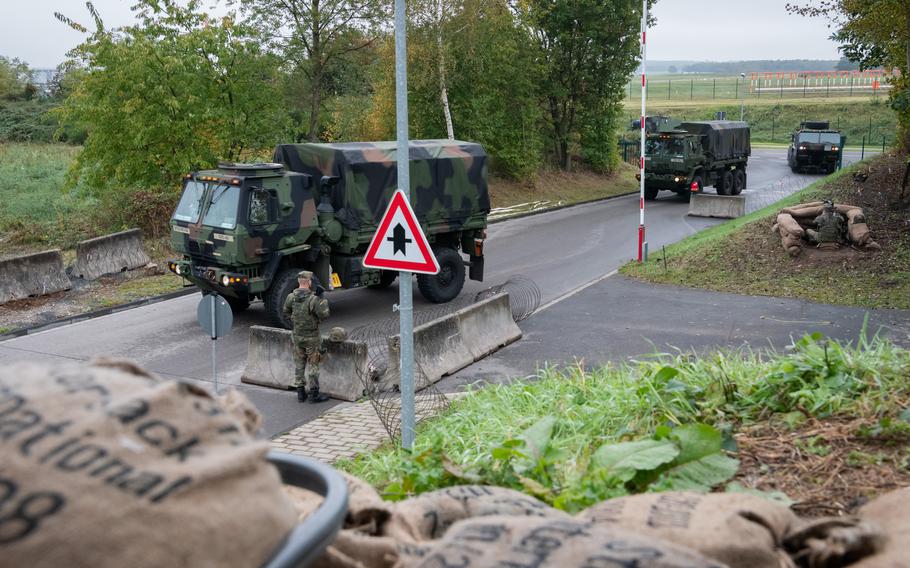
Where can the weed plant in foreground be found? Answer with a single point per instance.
(575, 437)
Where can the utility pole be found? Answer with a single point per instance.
(644, 90)
(742, 99)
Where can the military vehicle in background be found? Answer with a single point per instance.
(816, 148)
(246, 230)
(687, 157)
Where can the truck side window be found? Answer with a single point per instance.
(259, 206)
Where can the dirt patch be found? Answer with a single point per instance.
(829, 467)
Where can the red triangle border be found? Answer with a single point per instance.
(428, 266)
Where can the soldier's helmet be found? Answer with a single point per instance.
(338, 334)
(829, 205)
(306, 274)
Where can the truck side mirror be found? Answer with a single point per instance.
(329, 181)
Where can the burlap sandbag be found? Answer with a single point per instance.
(804, 210)
(428, 516)
(833, 542)
(859, 233)
(734, 528)
(557, 543)
(104, 465)
(891, 512)
(793, 245)
(848, 210)
(790, 210)
(787, 225)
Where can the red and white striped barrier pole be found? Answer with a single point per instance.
(641, 165)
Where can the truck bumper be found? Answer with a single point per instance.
(214, 279)
(671, 182)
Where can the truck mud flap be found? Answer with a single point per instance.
(475, 268)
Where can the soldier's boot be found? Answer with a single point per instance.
(316, 396)
(301, 394)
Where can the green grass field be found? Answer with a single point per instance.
(709, 87)
(35, 206)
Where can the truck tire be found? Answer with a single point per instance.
(725, 183)
(282, 286)
(739, 182)
(445, 286)
(651, 193)
(386, 278)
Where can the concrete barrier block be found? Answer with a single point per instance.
(488, 328)
(270, 363)
(451, 343)
(32, 275)
(722, 206)
(109, 254)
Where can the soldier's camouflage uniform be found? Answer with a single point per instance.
(831, 227)
(307, 310)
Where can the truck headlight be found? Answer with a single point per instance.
(225, 280)
(178, 270)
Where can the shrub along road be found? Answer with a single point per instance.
(560, 250)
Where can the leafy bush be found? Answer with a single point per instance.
(576, 437)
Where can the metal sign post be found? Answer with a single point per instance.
(216, 318)
(644, 88)
(405, 292)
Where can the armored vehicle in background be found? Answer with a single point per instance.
(815, 148)
(246, 230)
(688, 157)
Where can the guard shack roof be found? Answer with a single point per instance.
(721, 138)
(448, 179)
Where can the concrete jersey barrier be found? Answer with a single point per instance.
(270, 363)
(451, 343)
(32, 275)
(109, 254)
(722, 206)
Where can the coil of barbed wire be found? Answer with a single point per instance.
(524, 295)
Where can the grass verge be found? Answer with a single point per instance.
(576, 437)
(743, 256)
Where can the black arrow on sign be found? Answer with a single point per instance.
(398, 239)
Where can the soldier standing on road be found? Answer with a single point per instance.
(307, 310)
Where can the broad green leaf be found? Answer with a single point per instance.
(538, 436)
(701, 474)
(625, 459)
(696, 441)
(665, 374)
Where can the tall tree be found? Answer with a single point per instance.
(873, 33)
(588, 49)
(175, 92)
(317, 37)
(14, 78)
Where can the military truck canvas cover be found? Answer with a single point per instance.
(448, 180)
(722, 139)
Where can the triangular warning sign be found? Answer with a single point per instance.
(399, 242)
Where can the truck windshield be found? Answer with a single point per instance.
(190, 202)
(665, 146)
(819, 138)
(222, 211)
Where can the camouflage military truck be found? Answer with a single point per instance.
(815, 148)
(246, 230)
(691, 155)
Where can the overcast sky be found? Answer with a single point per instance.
(701, 30)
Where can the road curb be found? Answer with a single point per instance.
(29, 330)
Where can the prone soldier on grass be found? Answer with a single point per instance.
(307, 308)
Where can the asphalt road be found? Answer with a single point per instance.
(560, 250)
